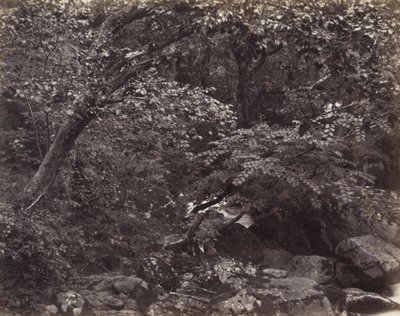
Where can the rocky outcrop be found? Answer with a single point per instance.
(317, 268)
(246, 291)
(369, 261)
(359, 301)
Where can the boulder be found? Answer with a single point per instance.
(126, 285)
(373, 260)
(131, 304)
(104, 300)
(67, 301)
(359, 301)
(292, 297)
(239, 243)
(276, 258)
(348, 275)
(317, 268)
(51, 309)
(336, 296)
(343, 226)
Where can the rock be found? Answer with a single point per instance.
(343, 226)
(104, 299)
(187, 276)
(373, 260)
(274, 273)
(209, 281)
(289, 297)
(276, 258)
(69, 300)
(122, 312)
(359, 301)
(238, 242)
(347, 275)
(127, 285)
(178, 304)
(318, 268)
(51, 309)
(337, 298)
(77, 311)
(294, 297)
(237, 302)
(106, 284)
(131, 304)
(159, 269)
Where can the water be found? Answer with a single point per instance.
(230, 213)
(395, 297)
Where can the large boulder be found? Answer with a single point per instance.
(343, 226)
(292, 297)
(317, 268)
(239, 243)
(371, 260)
(359, 301)
(104, 300)
(127, 285)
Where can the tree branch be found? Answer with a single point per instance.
(264, 56)
(36, 130)
(228, 191)
(183, 242)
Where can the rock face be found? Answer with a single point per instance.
(317, 268)
(371, 260)
(359, 301)
(238, 242)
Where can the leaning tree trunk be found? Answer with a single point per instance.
(54, 158)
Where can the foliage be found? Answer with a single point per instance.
(293, 105)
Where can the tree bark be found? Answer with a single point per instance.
(55, 156)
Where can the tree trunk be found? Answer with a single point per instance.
(242, 96)
(55, 156)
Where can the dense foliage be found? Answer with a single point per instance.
(288, 107)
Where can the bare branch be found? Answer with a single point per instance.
(36, 130)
